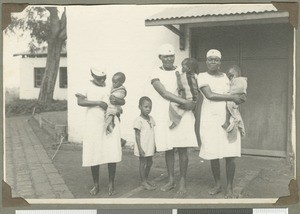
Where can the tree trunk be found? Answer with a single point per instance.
(55, 42)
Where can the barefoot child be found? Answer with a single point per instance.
(238, 85)
(187, 88)
(118, 92)
(144, 136)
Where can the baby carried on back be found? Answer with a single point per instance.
(187, 88)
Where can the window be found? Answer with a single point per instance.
(38, 77)
(63, 77)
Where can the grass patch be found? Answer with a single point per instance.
(25, 107)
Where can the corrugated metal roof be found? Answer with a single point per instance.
(211, 10)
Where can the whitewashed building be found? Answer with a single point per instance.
(32, 67)
(116, 37)
(258, 38)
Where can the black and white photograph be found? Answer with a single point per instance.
(150, 104)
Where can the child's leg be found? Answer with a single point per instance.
(111, 124)
(149, 163)
(147, 171)
(175, 114)
(173, 125)
(143, 169)
(95, 174)
(227, 121)
(241, 127)
(111, 178)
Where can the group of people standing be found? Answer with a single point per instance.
(169, 123)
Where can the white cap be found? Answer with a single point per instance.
(98, 72)
(166, 49)
(213, 52)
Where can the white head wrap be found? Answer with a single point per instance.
(213, 52)
(166, 49)
(98, 72)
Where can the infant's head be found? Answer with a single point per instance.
(190, 65)
(118, 79)
(233, 72)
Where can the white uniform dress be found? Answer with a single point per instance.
(214, 138)
(183, 135)
(146, 136)
(99, 148)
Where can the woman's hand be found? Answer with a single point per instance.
(112, 99)
(239, 98)
(142, 153)
(116, 101)
(103, 105)
(188, 105)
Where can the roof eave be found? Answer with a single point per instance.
(281, 16)
(36, 55)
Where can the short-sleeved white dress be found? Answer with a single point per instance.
(214, 138)
(146, 136)
(183, 135)
(99, 148)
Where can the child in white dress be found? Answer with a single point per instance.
(145, 143)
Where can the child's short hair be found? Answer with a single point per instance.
(193, 64)
(143, 99)
(236, 68)
(121, 76)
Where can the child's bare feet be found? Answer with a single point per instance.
(169, 186)
(225, 125)
(148, 186)
(172, 126)
(94, 190)
(108, 130)
(215, 190)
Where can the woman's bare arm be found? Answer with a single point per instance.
(238, 99)
(116, 101)
(82, 101)
(184, 104)
(160, 88)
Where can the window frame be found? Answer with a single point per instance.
(38, 74)
(63, 80)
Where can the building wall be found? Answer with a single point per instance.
(114, 36)
(27, 89)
